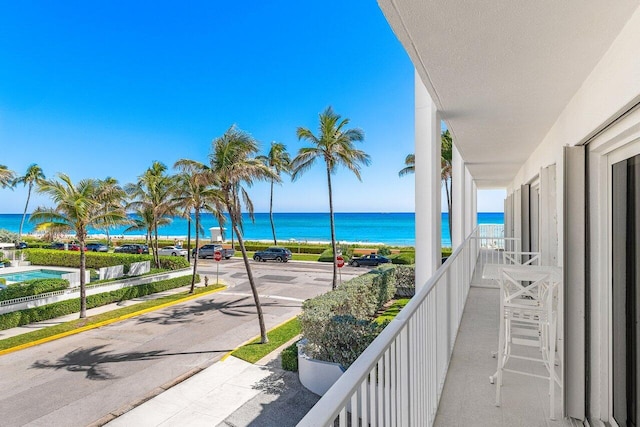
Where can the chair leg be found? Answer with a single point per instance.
(501, 345)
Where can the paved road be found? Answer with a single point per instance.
(77, 380)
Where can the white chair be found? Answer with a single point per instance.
(520, 258)
(528, 318)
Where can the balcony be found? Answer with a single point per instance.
(431, 366)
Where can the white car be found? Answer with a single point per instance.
(173, 251)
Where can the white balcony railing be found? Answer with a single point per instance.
(398, 379)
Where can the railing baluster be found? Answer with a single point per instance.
(399, 378)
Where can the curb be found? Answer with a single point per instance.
(223, 358)
(106, 322)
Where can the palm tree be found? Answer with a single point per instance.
(143, 220)
(6, 177)
(196, 191)
(335, 145)
(110, 195)
(33, 176)
(279, 161)
(445, 168)
(76, 209)
(410, 165)
(154, 191)
(233, 163)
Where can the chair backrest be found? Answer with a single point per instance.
(520, 258)
(526, 289)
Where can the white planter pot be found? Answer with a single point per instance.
(316, 375)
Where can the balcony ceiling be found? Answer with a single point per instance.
(502, 71)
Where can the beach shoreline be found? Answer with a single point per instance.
(183, 238)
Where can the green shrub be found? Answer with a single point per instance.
(384, 251)
(3, 281)
(327, 254)
(446, 252)
(62, 308)
(344, 339)
(405, 281)
(97, 260)
(289, 358)
(32, 287)
(338, 325)
(403, 258)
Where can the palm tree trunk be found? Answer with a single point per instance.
(24, 214)
(254, 290)
(195, 259)
(334, 283)
(273, 227)
(448, 190)
(189, 237)
(156, 257)
(83, 289)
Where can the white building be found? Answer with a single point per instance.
(543, 99)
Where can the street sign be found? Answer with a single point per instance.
(217, 255)
(340, 261)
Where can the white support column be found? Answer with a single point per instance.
(468, 202)
(474, 206)
(428, 185)
(457, 187)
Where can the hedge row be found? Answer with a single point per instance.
(338, 325)
(32, 287)
(289, 358)
(405, 281)
(62, 308)
(98, 260)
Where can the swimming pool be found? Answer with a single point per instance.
(34, 274)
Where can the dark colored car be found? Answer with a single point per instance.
(21, 245)
(207, 251)
(132, 248)
(57, 245)
(369, 260)
(276, 254)
(97, 247)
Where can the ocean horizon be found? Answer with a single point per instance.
(392, 228)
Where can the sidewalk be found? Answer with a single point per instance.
(231, 392)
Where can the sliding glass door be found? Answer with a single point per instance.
(625, 292)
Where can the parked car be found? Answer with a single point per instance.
(132, 248)
(173, 251)
(97, 247)
(21, 245)
(369, 260)
(56, 245)
(207, 251)
(74, 246)
(273, 253)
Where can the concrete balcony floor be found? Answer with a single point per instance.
(468, 397)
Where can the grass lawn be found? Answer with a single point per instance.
(392, 311)
(255, 351)
(92, 320)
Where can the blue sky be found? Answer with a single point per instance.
(104, 89)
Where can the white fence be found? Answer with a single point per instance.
(398, 379)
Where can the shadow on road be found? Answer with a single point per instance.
(239, 307)
(92, 360)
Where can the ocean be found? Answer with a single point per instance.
(387, 228)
